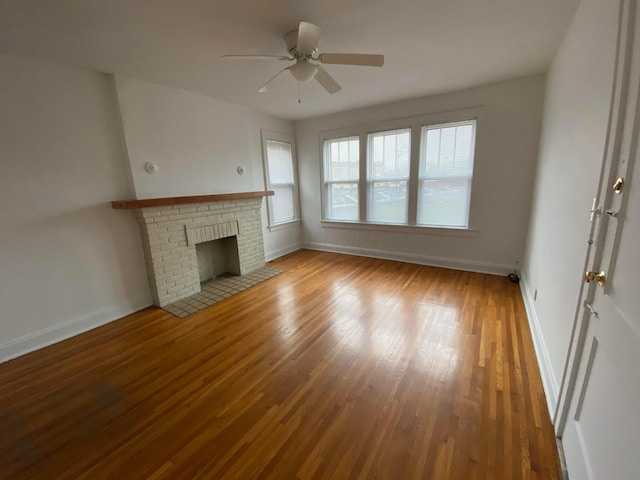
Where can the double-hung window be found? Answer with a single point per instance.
(446, 169)
(388, 176)
(341, 177)
(280, 176)
(417, 173)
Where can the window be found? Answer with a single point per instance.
(388, 176)
(280, 175)
(446, 168)
(341, 177)
(428, 185)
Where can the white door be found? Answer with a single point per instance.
(600, 419)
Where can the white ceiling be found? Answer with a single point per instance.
(430, 46)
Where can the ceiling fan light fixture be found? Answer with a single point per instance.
(303, 71)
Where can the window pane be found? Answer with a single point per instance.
(281, 178)
(446, 169)
(342, 201)
(342, 159)
(447, 151)
(280, 162)
(390, 154)
(388, 202)
(282, 204)
(464, 140)
(444, 202)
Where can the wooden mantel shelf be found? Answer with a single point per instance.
(163, 202)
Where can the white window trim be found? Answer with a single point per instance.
(394, 227)
(285, 138)
(284, 225)
(415, 124)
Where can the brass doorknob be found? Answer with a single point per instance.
(601, 277)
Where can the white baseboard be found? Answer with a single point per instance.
(453, 263)
(56, 333)
(272, 255)
(549, 382)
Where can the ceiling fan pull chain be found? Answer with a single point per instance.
(299, 101)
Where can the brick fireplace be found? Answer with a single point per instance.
(172, 227)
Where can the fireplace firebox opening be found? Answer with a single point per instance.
(218, 257)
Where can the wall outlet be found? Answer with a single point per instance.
(535, 294)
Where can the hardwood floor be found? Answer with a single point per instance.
(341, 367)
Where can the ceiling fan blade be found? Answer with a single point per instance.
(256, 57)
(362, 59)
(267, 85)
(308, 36)
(327, 81)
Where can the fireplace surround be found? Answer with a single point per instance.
(172, 227)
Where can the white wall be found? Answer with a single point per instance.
(575, 117)
(68, 262)
(197, 143)
(506, 151)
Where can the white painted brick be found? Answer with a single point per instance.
(175, 289)
(173, 267)
(178, 250)
(158, 243)
(168, 298)
(160, 247)
(171, 262)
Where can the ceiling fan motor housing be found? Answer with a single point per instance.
(291, 39)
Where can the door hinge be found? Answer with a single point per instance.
(595, 210)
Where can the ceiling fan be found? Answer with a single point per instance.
(302, 45)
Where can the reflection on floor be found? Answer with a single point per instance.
(214, 291)
(341, 367)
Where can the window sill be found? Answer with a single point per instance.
(383, 227)
(284, 225)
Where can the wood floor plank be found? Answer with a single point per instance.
(341, 367)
